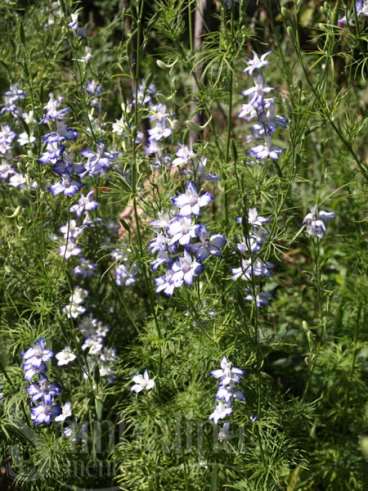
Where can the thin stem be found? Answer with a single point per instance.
(228, 143)
(149, 301)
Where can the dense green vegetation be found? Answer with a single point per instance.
(158, 223)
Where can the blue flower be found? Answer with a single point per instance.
(6, 138)
(44, 413)
(99, 162)
(207, 245)
(43, 390)
(315, 222)
(185, 269)
(190, 202)
(256, 63)
(53, 113)
(84, 204)
(66, 186)
(37, 354)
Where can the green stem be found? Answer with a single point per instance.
(149, 301)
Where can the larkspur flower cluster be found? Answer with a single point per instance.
(253, 267)
(95, 163)
(182, 244)
(55, 152)
(261, 109)
(228, 377)
(11, 136)
(98, 354)
(75, 307)
(161, 123)
(43, 394)
(316, 220)
(94, 335)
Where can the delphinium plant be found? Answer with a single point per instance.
(183, 245)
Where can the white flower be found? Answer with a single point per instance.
(222, 410)
(73, 311)
(94, 344)
(224, 433)
(66, 412)
(183, 156)
(254, 219)
(25, 138)
(142, 382)
(29, 117)
(79, 295)
(120, 126)
(69, 249)
(88, 55)
(71, 230)
(65, 357)
(75, 307)
(17, 181)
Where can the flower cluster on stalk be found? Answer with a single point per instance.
(182, 244)
(43, 394)
(94, 334)
(261, 111)
(14, 138)
(228, 377)
(253, 267)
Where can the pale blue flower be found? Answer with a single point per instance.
(250, 269)
(256, 63)
(66, 186)
(7, 136)
(315, 222)
(190, 202)
(44, 413)
(227, 374)
(52, 110)
(84, 204)
(181, 230)
(265, 151)
(186, 269)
